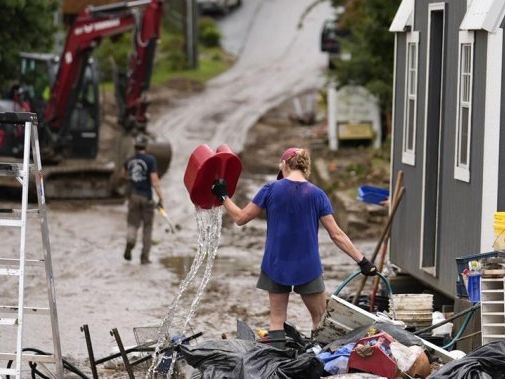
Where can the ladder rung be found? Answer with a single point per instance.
(10, 222)
(13, 169)
(17, 210)
(28, 357)
(32, 310)
(15, 262)
(8, 371)
(9, 271)
(8, 321)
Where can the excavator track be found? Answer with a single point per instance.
(85, 179)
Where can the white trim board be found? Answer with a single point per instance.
(409, 156)
(491, 150)
(404, 17)
(484, 15)
(393, 120)
(462, 172)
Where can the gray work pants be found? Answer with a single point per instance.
(140, 211)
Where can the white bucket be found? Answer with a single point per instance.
(443, 330)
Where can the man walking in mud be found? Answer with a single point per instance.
(142, 177)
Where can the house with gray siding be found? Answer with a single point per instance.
(448, 133)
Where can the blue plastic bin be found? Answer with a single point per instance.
(372, 195)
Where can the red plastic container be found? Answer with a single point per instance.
(379, 363)
(204, 167)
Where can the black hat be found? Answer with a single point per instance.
(141, 142)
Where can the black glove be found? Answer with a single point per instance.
(219, 189)
(159, 204)
(367, 268)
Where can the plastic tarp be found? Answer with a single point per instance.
(486, 362)
(336, 362)
(239, 359)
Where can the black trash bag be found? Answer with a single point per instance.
(397, 332)
(487, 362)
(239, 359)
(267, 362)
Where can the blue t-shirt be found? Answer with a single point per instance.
(293, 211)
(139, 168)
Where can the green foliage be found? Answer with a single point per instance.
(25, 25)
(208, 32)
(172, 51)
(212, 62)
(370, 45)
(113, 51)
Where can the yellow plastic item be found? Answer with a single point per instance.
(499, 231)
(262, 332)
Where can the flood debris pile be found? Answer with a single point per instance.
(349, 343)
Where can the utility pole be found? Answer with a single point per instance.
(191, 32)
(332, 117)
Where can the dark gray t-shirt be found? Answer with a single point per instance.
(139, 168)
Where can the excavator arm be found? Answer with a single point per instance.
(140, 67)
(92, 25)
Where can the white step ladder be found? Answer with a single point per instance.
(16, 267)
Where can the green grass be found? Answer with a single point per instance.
(212, 62)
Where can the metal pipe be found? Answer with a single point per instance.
(126, 362)
(91, 355)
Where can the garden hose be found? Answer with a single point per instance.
(66, 365)
(461, 330)
(384, 279)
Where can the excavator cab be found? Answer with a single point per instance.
(78, 138)
(83, 119)
(37, 75)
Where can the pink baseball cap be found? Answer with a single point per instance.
(287, 155)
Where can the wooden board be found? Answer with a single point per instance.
(493, 273)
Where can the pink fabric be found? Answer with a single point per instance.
(287, 155)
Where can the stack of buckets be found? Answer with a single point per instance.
(499, 231)
(414, 309)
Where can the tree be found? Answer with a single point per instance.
(25, 25)
(370, 48)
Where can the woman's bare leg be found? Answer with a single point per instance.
(316, 304)
(278, 310)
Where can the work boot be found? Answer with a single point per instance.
(277, 338)
(128, 251)
(144, 261)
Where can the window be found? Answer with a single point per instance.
(409, 120)
(464, 116)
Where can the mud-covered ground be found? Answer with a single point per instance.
(95, 286)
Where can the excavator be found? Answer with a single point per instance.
(81, 158)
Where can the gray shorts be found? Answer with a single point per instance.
(312, 287)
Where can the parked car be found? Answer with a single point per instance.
(217, 6)
(329, 40)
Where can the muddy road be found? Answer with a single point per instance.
(95, 286)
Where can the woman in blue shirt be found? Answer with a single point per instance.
(294, 208)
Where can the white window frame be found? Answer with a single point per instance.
(409, 153)
(461, 169)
